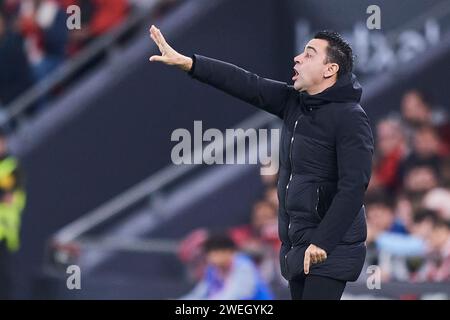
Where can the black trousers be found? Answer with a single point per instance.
(313, 287)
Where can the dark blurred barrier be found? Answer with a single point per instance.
(425, 73)
(408, 29)
(142, 247)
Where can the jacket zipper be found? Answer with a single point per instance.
(286, 265)
(290, 177)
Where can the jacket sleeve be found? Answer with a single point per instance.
(354, 148)
(263, 93)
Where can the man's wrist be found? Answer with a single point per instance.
(186, 64)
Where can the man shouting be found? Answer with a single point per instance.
(326, 152)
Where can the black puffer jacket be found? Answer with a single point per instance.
(326, 151)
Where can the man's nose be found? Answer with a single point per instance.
(298, 59)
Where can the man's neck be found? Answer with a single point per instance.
(321, 87)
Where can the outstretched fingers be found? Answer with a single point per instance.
(158, 38)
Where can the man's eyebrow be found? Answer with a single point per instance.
(312, 48)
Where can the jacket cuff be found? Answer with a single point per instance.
(194, 60)
(326, 247)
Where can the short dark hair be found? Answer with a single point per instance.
(218, 241)
(423, 214)
(424, 95)
(338, 50)
(380, 198)
(439, 222)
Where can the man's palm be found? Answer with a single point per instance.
(168, 55)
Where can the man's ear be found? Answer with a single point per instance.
(331, 70)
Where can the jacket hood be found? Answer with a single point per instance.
(346, 89)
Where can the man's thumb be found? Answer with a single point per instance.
(157, 58)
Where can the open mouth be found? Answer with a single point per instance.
(295, 76)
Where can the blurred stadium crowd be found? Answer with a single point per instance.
(408, 199)
(35, 39)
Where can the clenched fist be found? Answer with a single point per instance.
(313, 255)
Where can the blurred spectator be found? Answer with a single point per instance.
(43, 25)
(445, 172)
(106, 15)
(12, 202)
(417, 110)
(271, 196)
(260, 239)
(191, 253)
(100, 16)
(15, 73)
(427, 143)
(404, 210)
(437, 267)
(263, 228)
(10, 9)
(391, 149)
(426, 151)
(229, 275)
(438, 200)
(269, 180)
(400, 254)
(381, 216)
(423, 221)
(420, 179)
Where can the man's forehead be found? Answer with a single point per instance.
(318, 44)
